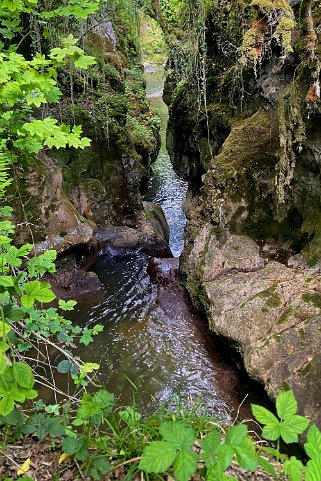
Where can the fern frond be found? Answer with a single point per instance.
(5, 179)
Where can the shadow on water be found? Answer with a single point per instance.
(153, 338)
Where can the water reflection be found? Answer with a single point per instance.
(162, 351)
(165, 187)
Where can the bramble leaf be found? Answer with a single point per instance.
(225, 456)
(6, 405)
(294, 468)
(130, 416)
(184, 465)
(292, 426)
(157, 457)
(84, 61)
(4, 329)
(209, 446)
(286, 404)
(6, 281)
(246, 458)
(313, 469)
(36, 291)
(313, 445)
(42, 263)
(271, 432)
(179, 436)
(216, 474)
(236, 435)
(263, 415)
(23, 375)
(99, 467)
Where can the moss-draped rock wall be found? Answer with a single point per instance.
(63, 197)
(252, 252)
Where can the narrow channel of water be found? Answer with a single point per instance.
(165, 187)
(155, 342)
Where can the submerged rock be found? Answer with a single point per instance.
(124, 240)
(70, 281)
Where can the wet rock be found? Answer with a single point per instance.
(50, 217)
(70, 281)
(269, 312)
(155, 215)
(124, 240)
(252, 253)
(162, 271)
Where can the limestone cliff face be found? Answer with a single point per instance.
(252, 254)
(63, 197)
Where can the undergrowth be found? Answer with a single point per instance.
(105, 440)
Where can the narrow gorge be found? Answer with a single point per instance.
(160, 189)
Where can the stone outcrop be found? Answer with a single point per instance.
(62, 197)
(252, 254)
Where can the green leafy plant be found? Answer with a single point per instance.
(174, 450)
(23, 320)
(220, 448)
(27, 84)
(288, 426)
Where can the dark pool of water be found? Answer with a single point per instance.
(165, 351)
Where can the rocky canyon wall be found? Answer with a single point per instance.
(252, 253)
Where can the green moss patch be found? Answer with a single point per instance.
(313, 298)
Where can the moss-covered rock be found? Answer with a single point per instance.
(48, 218)
(253, 240)
(64, 194)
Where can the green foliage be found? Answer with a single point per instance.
(42, 425)
(25, 86)
(173, 450)
(219, 450)
(152, 41)
(289, 426)
(140, 134)
(101, 435)
(99, 467)
(16, 385)
(95, 408)
(20, 293)
(76, 8)
(29, 84)
(218, 456)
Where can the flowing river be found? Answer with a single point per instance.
(156, 352)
